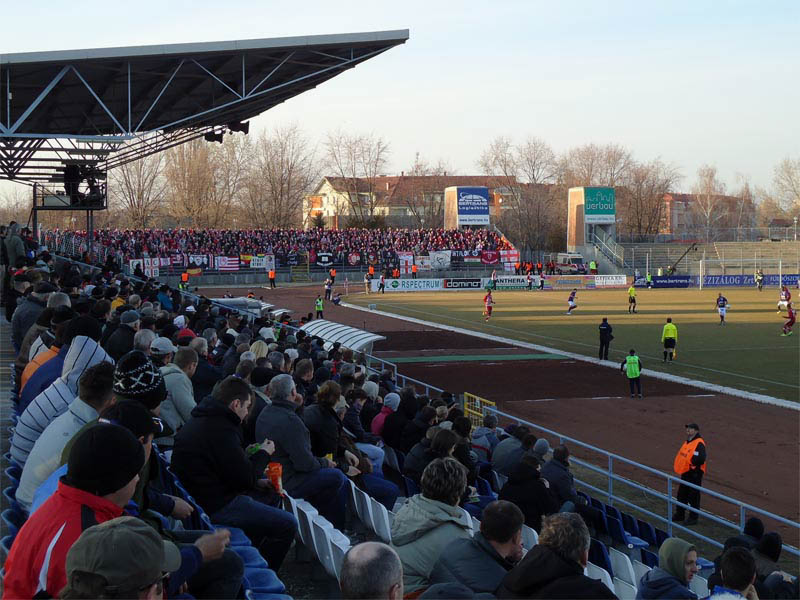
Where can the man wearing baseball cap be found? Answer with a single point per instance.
(161, 351)
(690, 464)
(102, 473)
(121, 341)
(121, 558)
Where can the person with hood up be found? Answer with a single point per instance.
(372, 406)
(177, 408)
(530, 492)
(554, 567)
(83, 353)
(677, 565)
(428, 522)
(390, 404)
(484, 438)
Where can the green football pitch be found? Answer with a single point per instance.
(748, 353)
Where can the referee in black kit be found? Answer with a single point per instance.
(605, 338)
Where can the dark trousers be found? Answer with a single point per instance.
(413, 275)
(326, 490)
(635, 382)
(272, 282)
(604, 344)
(319, 315)
(221, 578)
(272, 530)
(689, 495)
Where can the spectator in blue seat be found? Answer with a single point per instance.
(530, 492)
(414, 430)
(481, 562)
(395, 423)
(365, 441)
(554, 567)
(313, 478)
(738, 573)
(677, 565)
(485, 436)
(428, 523)
(507, 454)
(438, 443)
(210, 461)
(562, 482)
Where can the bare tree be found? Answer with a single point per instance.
(283, 169)
(358, 160)
(421, 189)
(707, 200)
(137, 188)
(615, 162)
(641, 202)
(536, 161)
(786, 181)
(15, 203)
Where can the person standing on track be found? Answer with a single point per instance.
(632, 367)
(785, 298)
(529, 279)
(494, 279)
(571, 301)
(332, 274)
(722, 307)
(605, 338)
(367, 282)
(414, 271)
(487, 305)
(631, 299)
(669, 337)
(690, 464)
(790, 316)
(318, 306)
(272, 279)
(382, 284)
(328, 288)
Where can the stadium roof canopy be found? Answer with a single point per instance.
(109, 106)
(349, 337)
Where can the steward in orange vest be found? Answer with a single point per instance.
(272, 278)
(690, 464)
(413, 271)
(371, 271)
(332, 273)
(396, 273)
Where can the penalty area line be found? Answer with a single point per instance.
(761, 398)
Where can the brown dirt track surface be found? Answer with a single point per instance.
(753, 448)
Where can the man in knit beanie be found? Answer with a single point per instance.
(137, 378)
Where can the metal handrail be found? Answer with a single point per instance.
(670, 480)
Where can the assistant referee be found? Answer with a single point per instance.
(669, 337)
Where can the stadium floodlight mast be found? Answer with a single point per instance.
(79, 113)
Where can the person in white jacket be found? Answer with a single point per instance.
(83, 353)
(94, 396)
(177, 408)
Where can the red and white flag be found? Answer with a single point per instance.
(227, 263)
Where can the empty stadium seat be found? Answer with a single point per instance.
(10, 495)
(619, 535)
(13, 472)
(412, 489)
(263, 581)
(625, 590)
(499, 480)
(598, 555)
(364, 508)
(381, 521)
(639, 569)
(595, 572)
(529, 537)
(699, 585)
(12, 521)
(630, 525)
(661, 535)
(622, 567)
(613, 511)
(648, 533)
(649, 558)
(326, 538)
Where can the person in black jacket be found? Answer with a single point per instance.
(209, 459)
(205, 375)
(414, 430)
(605, 338)
(439, 444)
(367, 442)
(530, 492)
(462, 426)
(554, 567)
(396, 422)
(216, 355)
(121, 341)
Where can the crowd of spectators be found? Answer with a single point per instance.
(117, 375)
(139, 243)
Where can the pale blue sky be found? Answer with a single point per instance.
(691, 82)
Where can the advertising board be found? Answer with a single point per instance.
(611, 280)
(511, 282)
(462, 284)
(409, 285)
(561, 282)
(599, 205)
(473, 205)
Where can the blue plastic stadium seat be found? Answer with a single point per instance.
(411, 487)
(401, 458)
(10, 494)
(649, 558)
(585, 496)
(251, 557)
(661, 535)
(631, 526)
(12, 521)
(619, 535)
(263, 581)
(598, 555)
(597, 504)
(613, 511)
(6, 544)
(484, 489)
(14, 473)
(648, 533)
(704, 563)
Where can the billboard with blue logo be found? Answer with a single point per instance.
(466, 206)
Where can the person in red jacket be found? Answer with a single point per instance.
(103, 470)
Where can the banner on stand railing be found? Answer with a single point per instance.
(423, 263)
(440, 259)
(406, 260)
(263, 262)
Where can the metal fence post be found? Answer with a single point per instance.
(669, 505)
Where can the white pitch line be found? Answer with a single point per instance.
(701, 396)
(762, 398)
(564, 353)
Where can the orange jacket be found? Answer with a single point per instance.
(184, 277)
(333, 272)
(272, 274)
(413, 268)
(683, 460)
